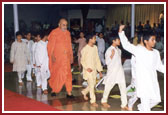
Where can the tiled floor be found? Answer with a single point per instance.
(78, 103)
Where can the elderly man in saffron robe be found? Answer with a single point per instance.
(60, 59)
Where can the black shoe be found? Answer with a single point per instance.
(53, 94)
(70, 96)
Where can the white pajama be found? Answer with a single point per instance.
(38, 76)
(28, 75)
(20, 75)
(122, 88)
(30, 65)
(147, 104)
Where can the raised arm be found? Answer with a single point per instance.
(124, 41)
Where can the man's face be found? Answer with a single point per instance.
(63, 25)
(151, 42)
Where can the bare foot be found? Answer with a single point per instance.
(106, 105)
(125, 108)
(20, 83)
(94, 104)
(45, 91)
(84, 96)
(130, 109)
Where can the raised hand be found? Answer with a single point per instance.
(121, 28)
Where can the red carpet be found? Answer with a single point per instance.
(17, 102)
(8, 67)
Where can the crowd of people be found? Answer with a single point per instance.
(49, 54)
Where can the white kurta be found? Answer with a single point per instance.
(147, 62)
(19, 56)
(115, 75)
(115, 72)
(41, 59)
(30, 46)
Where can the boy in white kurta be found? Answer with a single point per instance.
(34, 50)
(115, 73)
(41, 61)
(101, 47)
(19, 57)
(91, 64)
(147, 63)
(29, 43)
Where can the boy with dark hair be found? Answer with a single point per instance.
(148, 62)
(34, 51)
(91, 64)
(19, 57)
(41, 61)
(29, 43)
(115, 74)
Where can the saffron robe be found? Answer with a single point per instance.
(59, 45)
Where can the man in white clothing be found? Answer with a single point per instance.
(148, 62)
(41, 61)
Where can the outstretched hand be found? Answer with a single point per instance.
(121, 28)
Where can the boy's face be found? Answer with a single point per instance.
(28, 36)
(117, 42)
(19, 37)
(81, 34)
(38, 38)
(101, 35)
(93, 40)
(151, 42)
